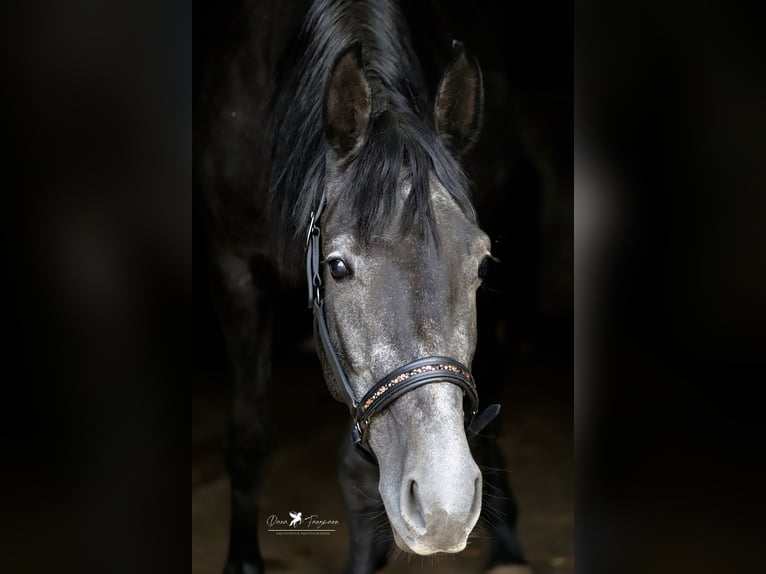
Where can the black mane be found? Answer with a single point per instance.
(400, 133)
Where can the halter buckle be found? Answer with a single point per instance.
(358, 440)
(356, 433)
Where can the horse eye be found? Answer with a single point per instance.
(338, 269)
(484, 267)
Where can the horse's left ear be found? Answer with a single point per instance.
(459, 102)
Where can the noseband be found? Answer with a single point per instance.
(397, 383)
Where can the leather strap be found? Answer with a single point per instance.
(313, 241)
(480, 422)
(320, 329)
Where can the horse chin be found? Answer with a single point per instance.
(412, 547)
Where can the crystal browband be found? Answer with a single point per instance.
(416, 371)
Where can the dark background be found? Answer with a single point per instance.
(670, 118)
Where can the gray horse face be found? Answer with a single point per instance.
(397, 300)
(393, 297)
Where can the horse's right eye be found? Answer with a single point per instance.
(338, 269)
(484, 267)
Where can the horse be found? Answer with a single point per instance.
(320, 158)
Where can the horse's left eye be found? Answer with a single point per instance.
(484, 267)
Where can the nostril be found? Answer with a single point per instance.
(412, 511)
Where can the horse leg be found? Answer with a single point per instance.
(246, 318)
(369, 529)
(499, 501)
(506, 548)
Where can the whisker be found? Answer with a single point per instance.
(485, 287)
(494, 493)
(371, 514)
(493, 469)
(358, 488)
(494, 486)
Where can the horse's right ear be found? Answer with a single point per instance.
(347, 102)
(459, 102)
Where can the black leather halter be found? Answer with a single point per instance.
(401, 381)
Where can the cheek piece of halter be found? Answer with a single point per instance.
(397, 383)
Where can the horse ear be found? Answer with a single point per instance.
(459, 102)
(347, 102)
